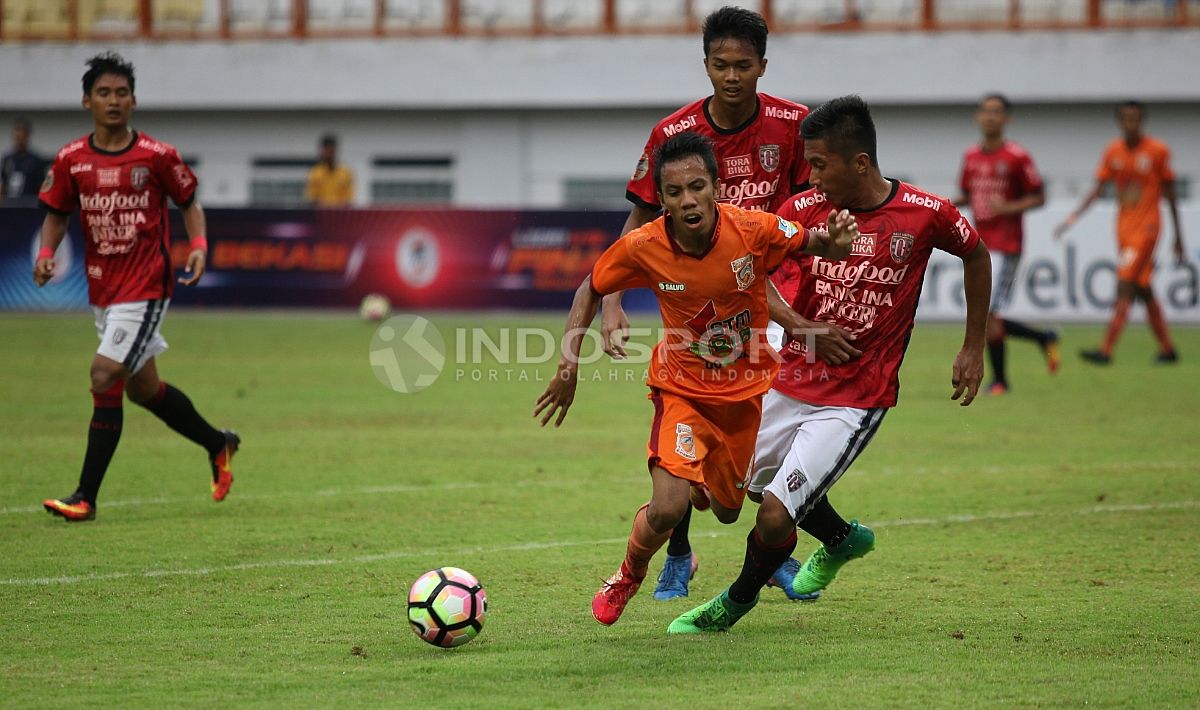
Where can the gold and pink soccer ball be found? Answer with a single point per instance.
(447, 607)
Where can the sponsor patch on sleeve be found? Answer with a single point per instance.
(789, 229)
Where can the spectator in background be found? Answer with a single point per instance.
(22, 170)
(329, 183)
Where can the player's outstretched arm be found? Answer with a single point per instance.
(1173, 208)
(614, 324)
(194, 225)
(834, 245)
(1072, 218)
(831, 343)
(54, 228)
(968, 365)
(560, 393)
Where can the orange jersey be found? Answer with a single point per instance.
(1139, 174)
(714, 307)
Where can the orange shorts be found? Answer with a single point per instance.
(711, 444)
(1135, 261)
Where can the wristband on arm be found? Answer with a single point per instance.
(45, 253)
(199, 242)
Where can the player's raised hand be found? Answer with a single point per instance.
(43, 271)
(1064, 225)
(967, 374)
(559, 395)
(843, 230)
(194, 268)
(614, 329)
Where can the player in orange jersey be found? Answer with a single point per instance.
(707, 264)
(1140, 167)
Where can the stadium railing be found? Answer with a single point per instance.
(33, 20)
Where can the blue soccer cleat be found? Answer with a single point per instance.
(783, 578)
(676, 573)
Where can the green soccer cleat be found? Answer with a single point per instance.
(717, 614)
(822, 566)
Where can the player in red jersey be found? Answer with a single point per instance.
(707, 263)
(1000, 183)
(756, 138)
(1140, 166)
(827, 402)
(120, 181)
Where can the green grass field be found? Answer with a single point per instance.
(1037, 549)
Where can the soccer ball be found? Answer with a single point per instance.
(446, 607)
(375, 307)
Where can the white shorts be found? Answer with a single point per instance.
(803, 449)
(129, 332)
(1004, 277)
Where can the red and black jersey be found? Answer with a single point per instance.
(873, 293)
(122, 201)
(761, 161)
(1006, 174)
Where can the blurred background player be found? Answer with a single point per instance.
(1140, 167)
(21, 170)
(120, 180)
(713, 365)
(756, 138)
(330, 184)
(1000, 183)
(827, 403)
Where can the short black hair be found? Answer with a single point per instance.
(107, 63)
(846, 126)
(329, 139)
(1141, 107)
(1004, 102)
(681, 146)
(736, 23)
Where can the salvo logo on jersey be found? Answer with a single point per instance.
(681, 125)
(139, 177)
(863, 246)
(901, 247)
(685, 442)
(668, 286)
(768, 157)
(743, 271)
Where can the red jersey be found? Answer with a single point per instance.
(714, 306)
(761, 162)
(873, 294)
(1007, 173)
(122, 198)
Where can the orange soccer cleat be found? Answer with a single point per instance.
(222, 471)
(610, 601)
(73, 508)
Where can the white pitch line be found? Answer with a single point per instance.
(456, 486)
(536, 546)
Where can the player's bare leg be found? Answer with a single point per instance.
(104, 433)
(652, 525)
(996, 353)
(176, 410)
(1126, 291)
(1158, 324)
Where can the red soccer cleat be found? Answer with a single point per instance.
(73, 508)
(698, 495)
(222, 471)
(610, 601)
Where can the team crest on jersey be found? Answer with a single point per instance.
(768, 157)
(795, 479)
(685, 442)
(48, 181)
(1142, 163)
(743, 271)
(863, 246)
(901, 247)
(139, 177)
(643, 167)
